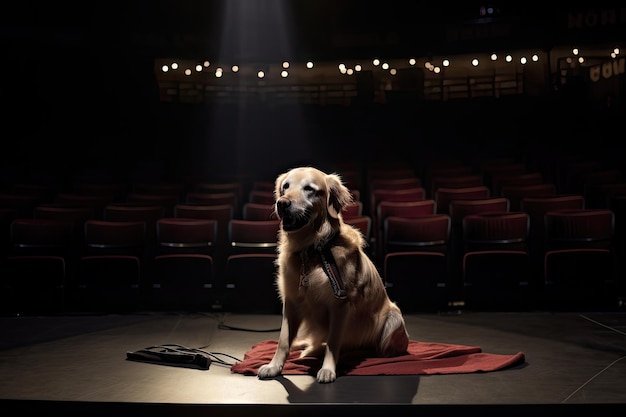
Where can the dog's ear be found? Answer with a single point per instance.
(338, 195)
(278, 184)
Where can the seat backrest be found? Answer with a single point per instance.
(493, 163)
(492, 171)
(515, 192)
(223, 213)
(500, 180)
(617, 204)
(395, 183)
(429, 232)
(250, 278)
(363, 223)
(204, 211)
(389, 172)
(263, 185)
(7, 215)
(404, 194)
(115, 237)
(97, 202)
(599, 195)
(444, 195)
(22, 204)
(580, 228)
(75, 215)
(253, 236)
(212, 198)
(160, 188)
(354, 209)
(450, 168)
(455, 181)
(599, 174)
(218, 187)
(112, 191)
(458, 209)
(31, 236)
(537, 207)
(185, 235)
(133, 212)
(418, 280)
(260, 196)
(407, 209)
(495, 231)
(182, 282)
(571, 172)
(257, 211)
(138, 211)
(415, 208)
(42, 192)
(167, 201)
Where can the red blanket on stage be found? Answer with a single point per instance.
(423, 358)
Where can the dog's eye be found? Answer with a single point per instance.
(308, 188)
(285, 186)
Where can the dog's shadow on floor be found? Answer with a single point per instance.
(355, 389)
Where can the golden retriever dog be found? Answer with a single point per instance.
(333, 298)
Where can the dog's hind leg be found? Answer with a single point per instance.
(394, 339)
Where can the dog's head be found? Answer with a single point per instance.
(307, 196)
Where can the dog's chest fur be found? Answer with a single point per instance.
(311, 271)
(307, 277)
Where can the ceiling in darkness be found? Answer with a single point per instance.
(257, 30)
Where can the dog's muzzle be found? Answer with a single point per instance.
(291, 218)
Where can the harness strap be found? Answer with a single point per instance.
(330, 267)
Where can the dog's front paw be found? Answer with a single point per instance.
(268, 371)
(325, 376)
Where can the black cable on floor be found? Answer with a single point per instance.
(223, 326)
(171, 353)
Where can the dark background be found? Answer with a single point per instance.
(79, 89)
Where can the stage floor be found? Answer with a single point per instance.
(575, 362)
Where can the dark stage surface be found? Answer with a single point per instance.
(575, 364)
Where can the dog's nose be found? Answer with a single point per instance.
(282, 204)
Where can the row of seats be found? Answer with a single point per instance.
(376, 193)
(488, 260)
(552, 252)
(499, 234)
(438, 248)
(120, 265)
